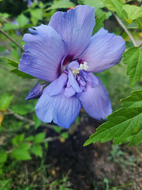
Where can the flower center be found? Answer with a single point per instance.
(83, 66)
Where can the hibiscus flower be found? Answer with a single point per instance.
(65, 53)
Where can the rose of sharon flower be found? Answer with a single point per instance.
(65, 54)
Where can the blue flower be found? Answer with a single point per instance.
(65, 54)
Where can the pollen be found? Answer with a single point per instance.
(83, 66)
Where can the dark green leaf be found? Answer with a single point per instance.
(21, 74)
(2, 48)
(133, 59)
(5, 101)
(80, 2)
(61, 5)
(57, 129)
(139, 21)
(37, 150)
(3, 156)
(124, 125)
(11, 62)
(65, 135)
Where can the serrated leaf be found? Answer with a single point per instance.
(61, 5)
(97, 4)
(3, 156)
(124, 125)
(133, 59)
(131, 12)
(21, 74)
(11, 62)
(37, 150)
(5, 101)
(114, 5)
(99, 23)
(22, 20)
(39, 137)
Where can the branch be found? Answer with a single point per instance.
(11, 39)
(125, 29)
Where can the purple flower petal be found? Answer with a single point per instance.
(75, 27)
(36, 91)
(63, 111)
(103, 51)
(57, 85)
(44, 53)
(96, 101)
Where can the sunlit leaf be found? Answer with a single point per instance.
(10, 26)
(124, 125)
(97, 3)
(61, 5)
(22, 20)
(37, 150)
(99, 23)
(133, 59)
(22, 153)
(39, 137)
(5, 101)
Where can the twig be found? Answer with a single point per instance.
(125, 29)
(11, 39)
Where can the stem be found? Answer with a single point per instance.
(11, 39)
(125, 29)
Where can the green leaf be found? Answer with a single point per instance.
(37, 150)
(133, 59)
(11, 62)
(20, 109)
(10, 26)
(30, 138)
(21, 74)
(39, 137)
(5, 101)
(22, 20)
(36, 15)
(65, 135)
(131, 12)
(61, 5)
(18, 139)
(57, 129)
(114, 5)
(37, 121)
(124, 125)
(99, 23)
(3, 156)
(80, 2)
(139, 21)
(2, 48)
(97, 4)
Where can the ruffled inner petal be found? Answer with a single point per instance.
(103, 51)
(96, 101)
(44, 53)
(75, 27)
(63, 111)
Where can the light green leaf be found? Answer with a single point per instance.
(30, 138)
(131, 12)
(61, 5)
(5, 101)
(10, 26)
(21, 154)
(37, 150)
(37, 121)
(57, 129)
(133, 59)
(80, 2)
(65, 135)
(22, 20)
(18, 139)
(11, 62)
(97, 4)
(36, 15)
(139, 21)
(20, 109)
(124, 125)
(2, 48)
(99, 23)
(39, 137)
(114, 5)
(3, 156)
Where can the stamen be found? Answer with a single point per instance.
(83, 66)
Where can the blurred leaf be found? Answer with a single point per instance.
(124, 125)
(99, 23)
(18, 139)
(80, 2)
(37, 150)
(20, 154)
(131, 12)
(36, 15)
(36, 120)
(114, 5)
(21, 74)
(20, 109)
(56, 129)
(39, 137)
(3, 156)
(133, 25)
(46, 145)
(77, 119)
(11, 62)
(30, 138)
(65, 135)
(22, 20)
(139, 21)
(61, 5)
(133, 58)
(5, 184)
(5, 101)
(97, 4)
(2, 48)
(10, 26)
